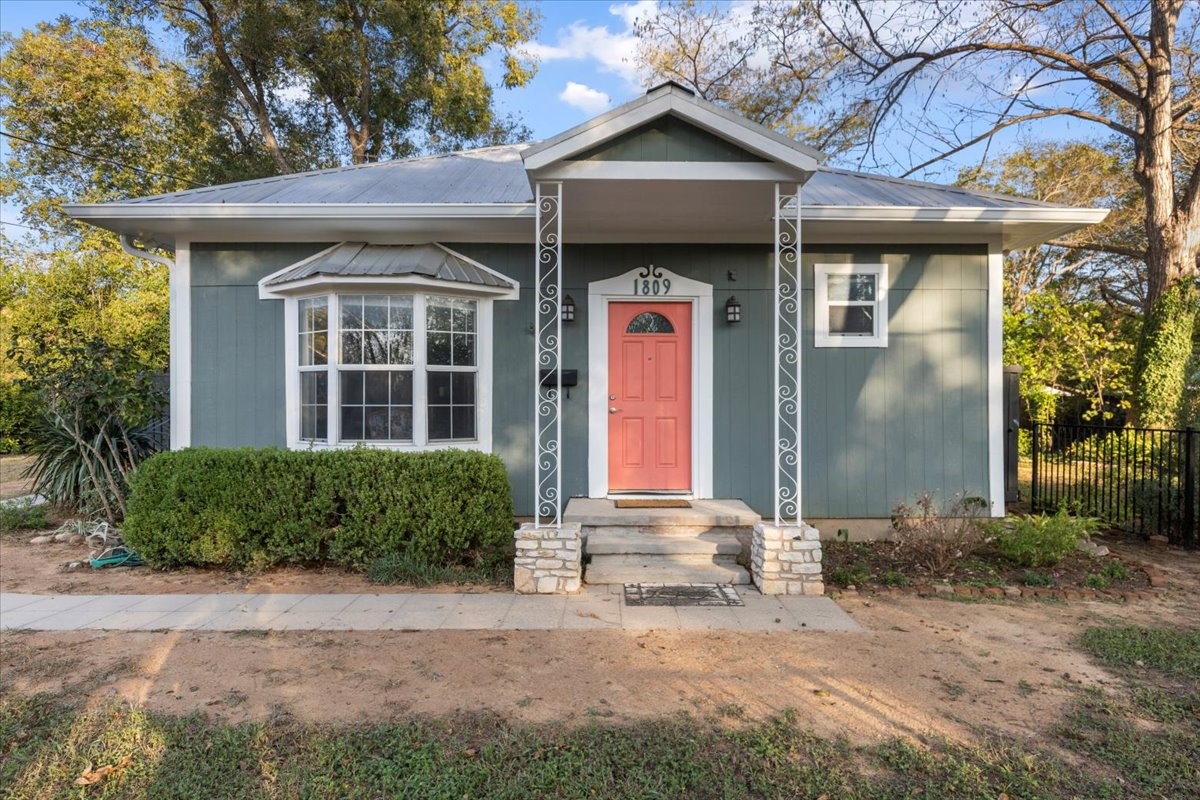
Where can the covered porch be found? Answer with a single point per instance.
(664, 169)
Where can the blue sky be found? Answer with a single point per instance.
(585, 52)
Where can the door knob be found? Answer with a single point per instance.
(613, 410)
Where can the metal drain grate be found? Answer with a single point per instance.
(681, 594)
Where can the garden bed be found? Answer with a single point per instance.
(881, 567)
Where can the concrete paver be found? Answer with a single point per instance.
(595, 608)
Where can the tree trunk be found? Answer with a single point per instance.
(1165, 345)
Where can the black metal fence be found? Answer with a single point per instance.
(1143, 480)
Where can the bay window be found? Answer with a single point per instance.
(394, 369)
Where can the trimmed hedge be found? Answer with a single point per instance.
(254, 508)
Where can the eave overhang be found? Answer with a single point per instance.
(1016, 228)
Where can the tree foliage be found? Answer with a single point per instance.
(953, 75)
(318, 82)
(767, 61)
(97, 113)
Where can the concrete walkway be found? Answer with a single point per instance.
(596, 607)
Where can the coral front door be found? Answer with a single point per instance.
(649, 397)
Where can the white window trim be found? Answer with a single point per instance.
(821, 335)
(483, 372)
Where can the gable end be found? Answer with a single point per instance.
(667, 138)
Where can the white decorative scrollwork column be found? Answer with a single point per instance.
(788, 338)
(785, 555)
(547, 353)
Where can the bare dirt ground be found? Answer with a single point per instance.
(39, 569)
(923, 666)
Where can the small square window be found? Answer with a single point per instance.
(850, 305)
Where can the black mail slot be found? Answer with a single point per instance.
(570, 377)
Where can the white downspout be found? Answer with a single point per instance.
(179, 271)
(136, 252)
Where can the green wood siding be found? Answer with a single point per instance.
(667, 139)
(879, 424)
(237, 344)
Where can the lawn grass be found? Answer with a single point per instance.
(1172, 650)
(1138, 741)
(51, 745)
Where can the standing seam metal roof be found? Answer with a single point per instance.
(358, 259)
(496, 175)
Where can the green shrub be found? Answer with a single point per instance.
(22, 515)
(1034, 578)
(1038, 540)
(258, 508)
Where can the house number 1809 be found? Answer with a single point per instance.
(646, 286)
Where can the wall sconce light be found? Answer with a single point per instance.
(568, 309)
(733, 310)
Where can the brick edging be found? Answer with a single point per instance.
(1157, 578)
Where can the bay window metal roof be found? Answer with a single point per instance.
(362, 260)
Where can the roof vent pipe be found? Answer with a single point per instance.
(137, 252)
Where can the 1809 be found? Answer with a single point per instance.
(651, 286)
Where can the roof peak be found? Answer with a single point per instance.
(668, 85)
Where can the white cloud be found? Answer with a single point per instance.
(585, 98)
(612, 48)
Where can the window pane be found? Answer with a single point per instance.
(314, 314)
(851, 287)
(463, 421)
(650, 322)
(376, 405)
(375, 312)
(464, 316)
(401, 318)
(376, 424)
(352, 314)
(463, 384)
(376, 391)
(352, 388)
(402, 423)
(313, 386)
(464, 350)
(402, 388)
(375, 347)
(438, 349)
(352, 422)
(400, 346)
(852, 320)
(439, 422)
(313, 415)
(351, 347)
(439, 316)
(439, 387)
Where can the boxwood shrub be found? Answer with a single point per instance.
(255, 508)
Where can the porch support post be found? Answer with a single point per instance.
(787, 337)
(547, 355)
(785, 555)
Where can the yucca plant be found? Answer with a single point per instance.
(84, 467)
(88, 439)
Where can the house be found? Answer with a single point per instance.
(667, 301)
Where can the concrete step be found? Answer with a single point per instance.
(660, 531)
(635, 541)
(664, 569)
(702, 514)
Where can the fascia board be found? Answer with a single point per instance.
(300, 210)
(629, 116)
